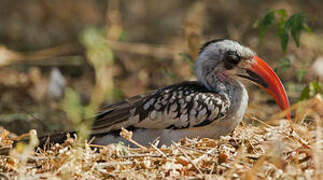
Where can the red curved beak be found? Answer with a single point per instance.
(269, 81)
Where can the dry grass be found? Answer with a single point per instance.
(272, 149)
(285, 150)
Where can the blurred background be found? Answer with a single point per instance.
(59, 55)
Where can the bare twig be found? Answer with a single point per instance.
(258, 120)
(209, 152)
(158, 150)
(20, 137)
(188, 158)
(128, 136)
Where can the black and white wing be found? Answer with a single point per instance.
(182, 105)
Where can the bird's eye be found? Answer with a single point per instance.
(232, 58)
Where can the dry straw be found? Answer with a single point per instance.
(279, 150)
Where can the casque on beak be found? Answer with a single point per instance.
(262, 74)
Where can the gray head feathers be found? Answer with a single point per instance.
(210, 62)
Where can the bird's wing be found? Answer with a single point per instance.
(182, 105)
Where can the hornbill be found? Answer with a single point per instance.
(210, 107)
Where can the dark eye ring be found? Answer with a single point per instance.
(232, 58)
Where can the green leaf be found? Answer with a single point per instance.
(283, 30)
(282, 13)
(311, 90)
(317, 87)
(307, 28)
(265, 23)
(284, 37)
(296, 24)
(293, 26)
(305, 93)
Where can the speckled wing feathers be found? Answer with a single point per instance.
(182, 105)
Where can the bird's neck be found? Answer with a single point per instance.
(230, 88)
(218, 82)
(224, 85)
(215, 79)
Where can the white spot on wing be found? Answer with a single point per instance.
(195, 105)
(173, 114)
(180, 94)
(172, 99)
(181, 101)
(210, 106)
(184, 111)
(214, 113)
(202, 113)
(152, 100)
(164, 101)
(183, 105)
(153, 115)
(183, 121)
(173, 107)
(146, 106)
(193, 112)
(157, 106)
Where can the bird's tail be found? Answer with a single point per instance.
(50, 139)
(44, 141)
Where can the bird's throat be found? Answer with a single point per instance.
(220, 82)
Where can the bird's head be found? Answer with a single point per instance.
(223, 61)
